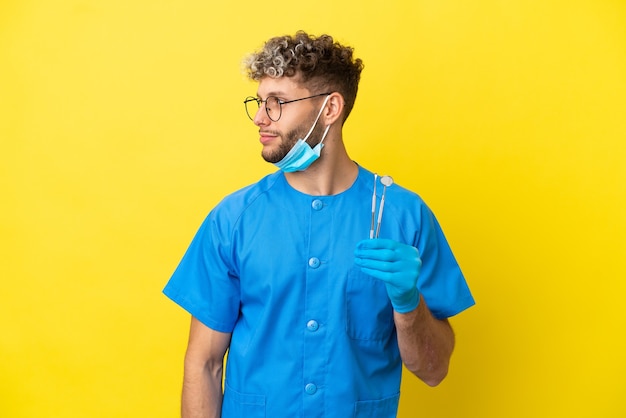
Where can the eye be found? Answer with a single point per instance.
(273, 107)
(272, 103)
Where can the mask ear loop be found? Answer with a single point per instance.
(321, 145)
(316, 119)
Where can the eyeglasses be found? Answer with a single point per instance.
(273, 105)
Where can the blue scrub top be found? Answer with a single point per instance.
(312, 336)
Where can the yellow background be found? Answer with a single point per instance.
(122, 124)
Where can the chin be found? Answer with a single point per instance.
(270, 157)
(273, 154)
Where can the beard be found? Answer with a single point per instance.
(289, 139)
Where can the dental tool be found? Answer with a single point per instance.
(386, 181)
(373, 207)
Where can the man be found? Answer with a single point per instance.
(317, 305)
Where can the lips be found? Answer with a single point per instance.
(267, 137)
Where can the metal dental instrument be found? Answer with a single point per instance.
(386, 181)
(373, 207)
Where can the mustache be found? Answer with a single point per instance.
(276, 133)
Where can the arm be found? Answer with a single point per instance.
(426, 343)
(202, 383)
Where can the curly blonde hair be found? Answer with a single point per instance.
(320, 63)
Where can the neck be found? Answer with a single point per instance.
(334, 172)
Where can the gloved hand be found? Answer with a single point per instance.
(396, 264)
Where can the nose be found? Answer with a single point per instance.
(260, 117)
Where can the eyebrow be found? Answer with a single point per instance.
(279, 94)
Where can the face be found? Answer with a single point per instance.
(296, 119)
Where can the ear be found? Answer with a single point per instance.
(334, 108)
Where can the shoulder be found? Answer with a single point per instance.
(405, 195)
(408, 208)
(366, 178)
(234, 204)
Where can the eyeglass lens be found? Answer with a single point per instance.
(272, 107)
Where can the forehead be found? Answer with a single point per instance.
(283, 87)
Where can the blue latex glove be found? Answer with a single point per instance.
(396, 264)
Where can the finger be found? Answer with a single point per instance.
(376, 255)
(377, 244)
(372, 264)
(384, 276)
(386, 267)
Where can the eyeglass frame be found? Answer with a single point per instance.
(280, 104)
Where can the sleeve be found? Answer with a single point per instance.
(204, 283)
(441, 281)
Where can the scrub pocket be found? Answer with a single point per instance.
(242, 405)
(368, 309)
(382, 408)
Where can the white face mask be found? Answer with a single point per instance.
(301, 155)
